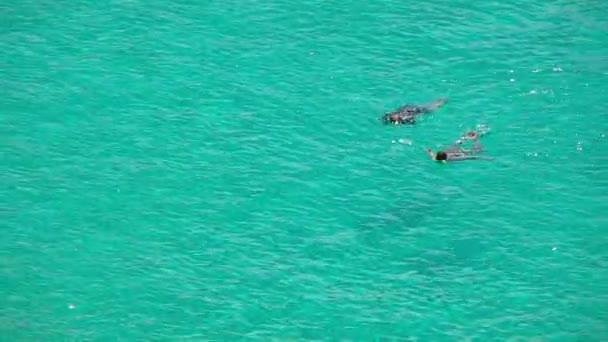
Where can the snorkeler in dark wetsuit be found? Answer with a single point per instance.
(457, 153)
(407, 114)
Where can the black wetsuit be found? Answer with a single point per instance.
(456, 153)
(407, 114)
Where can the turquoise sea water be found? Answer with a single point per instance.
(216, 170)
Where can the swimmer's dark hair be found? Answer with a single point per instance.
(441, 156)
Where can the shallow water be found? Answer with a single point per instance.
(218, 171)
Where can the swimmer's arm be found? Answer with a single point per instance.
(430, 153)
(469, 158)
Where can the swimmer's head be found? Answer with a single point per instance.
(387, 118)
(441, 156)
